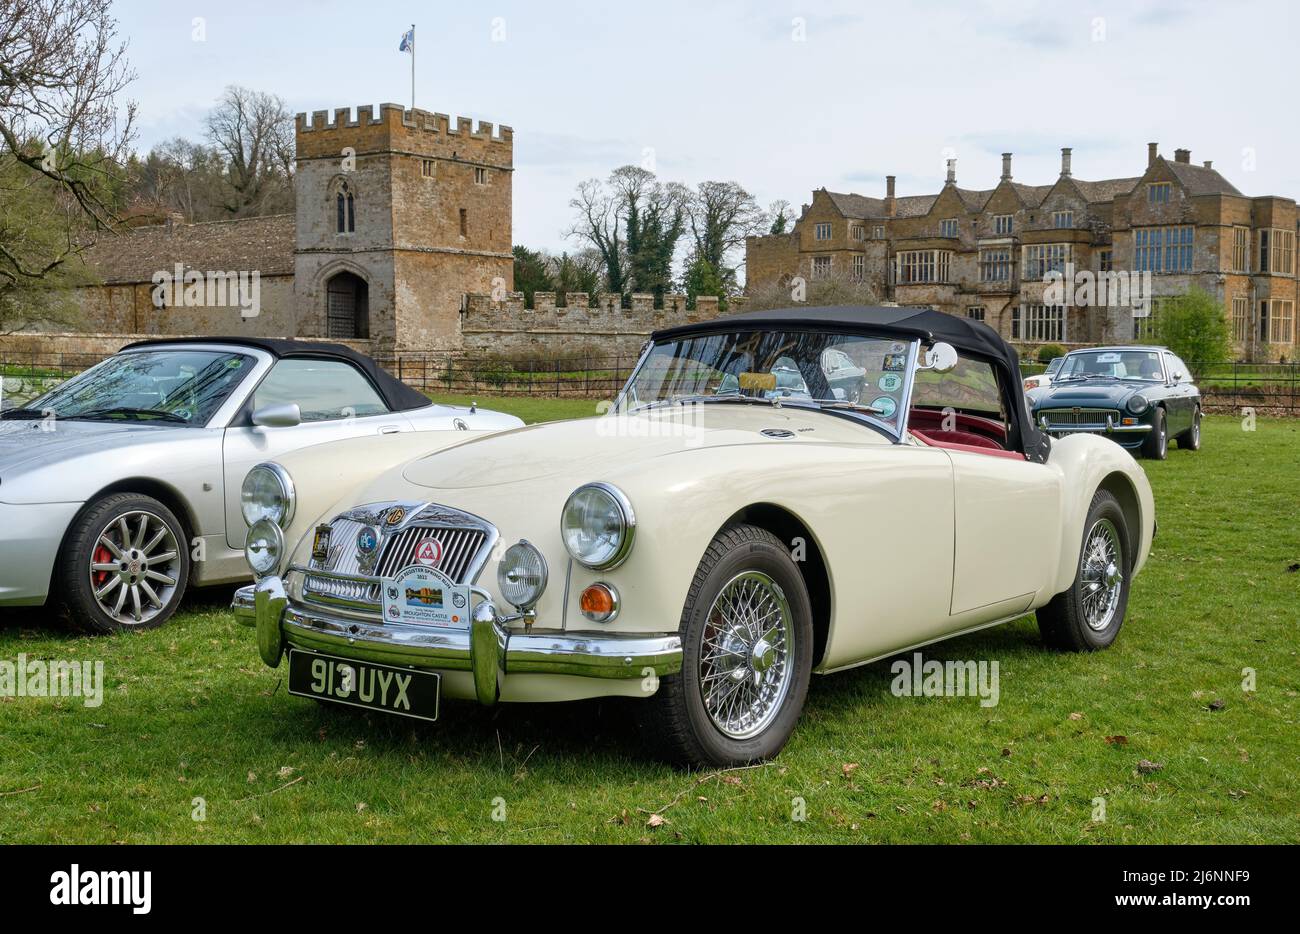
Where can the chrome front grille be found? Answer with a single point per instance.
(348, 579)
(1077, 418)
(459, 548)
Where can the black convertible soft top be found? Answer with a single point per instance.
(399, 396)
(970, 338)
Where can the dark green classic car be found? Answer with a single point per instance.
(1139, 397)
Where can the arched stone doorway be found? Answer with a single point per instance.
(347, 306)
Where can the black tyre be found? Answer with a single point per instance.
(1190, 440)
(1156, 445)
(1089, 615)
(125, 565)
(747, 642)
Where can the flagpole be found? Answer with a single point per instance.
(413, 66)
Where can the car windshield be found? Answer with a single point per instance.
(1054, 366)
(868, 376)
(1113, 364)
(155, 386)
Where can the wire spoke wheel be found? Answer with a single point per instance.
(745, 666)
(1101, 573)
(135, 567)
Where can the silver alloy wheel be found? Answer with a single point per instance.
(746, 655)
(1101, 572)
(134, 567)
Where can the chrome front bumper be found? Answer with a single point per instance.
(1110, 428)
(487, 648)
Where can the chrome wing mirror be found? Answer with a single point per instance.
(278, 416)
(941, 358)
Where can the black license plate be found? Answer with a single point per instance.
(402, 691)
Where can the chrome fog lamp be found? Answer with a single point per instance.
(268, 493)
(264, 547)
(521, 575)
(597, 526)
(1138, 403)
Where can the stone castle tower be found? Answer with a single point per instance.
(400, 214)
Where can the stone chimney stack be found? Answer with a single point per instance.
(1183, 155)
(952, 171)
(1209, 163)
(1065, 162)
(891, 205)
(1006, 166)
(1152, 155)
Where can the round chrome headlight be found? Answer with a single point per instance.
(597, 526)
(264, 547)
(1137, 403)
(521, 575)
(268, 493)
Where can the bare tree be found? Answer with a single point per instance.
(62, 137)
(599, 223)
(722, 215)
(253, 131)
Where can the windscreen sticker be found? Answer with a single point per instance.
(1108, 358)
(419, 594)
(885, 406)
(890, 382)
(895, 361)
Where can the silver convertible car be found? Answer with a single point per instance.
(123, 485)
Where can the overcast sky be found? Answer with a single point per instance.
(782, 97)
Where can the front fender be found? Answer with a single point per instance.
(1087, 462)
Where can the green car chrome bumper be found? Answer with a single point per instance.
(1110, 428)
(487, 648)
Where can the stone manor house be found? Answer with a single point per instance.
(986, 253)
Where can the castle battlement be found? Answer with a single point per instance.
(395, 117)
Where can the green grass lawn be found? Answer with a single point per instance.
(530, 408)
(189, 713)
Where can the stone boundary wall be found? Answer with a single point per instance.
(579, 327)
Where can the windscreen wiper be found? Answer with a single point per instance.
(125, 411)
(26, 414)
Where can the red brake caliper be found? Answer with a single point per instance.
(102, 556)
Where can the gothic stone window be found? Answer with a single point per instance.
(1003, 223)
(345, 210)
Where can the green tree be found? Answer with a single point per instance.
(532, 273)
(578, 273)
(779, 212)
(703, 279)
(1195, 328)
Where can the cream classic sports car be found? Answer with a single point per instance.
(712, 541)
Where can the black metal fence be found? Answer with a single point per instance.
(460, 374)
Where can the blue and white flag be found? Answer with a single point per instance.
(408, 41)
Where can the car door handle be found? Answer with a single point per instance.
(389, 429)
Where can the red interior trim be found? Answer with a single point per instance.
(939, 439)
